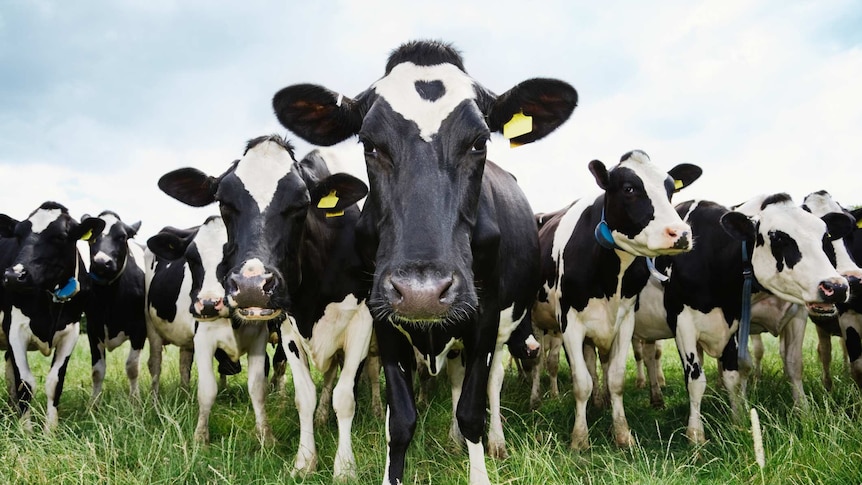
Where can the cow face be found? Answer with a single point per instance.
(787, 245)
(203, 249)
(637, 207)
(109, 249)
(47, 258)
(820, 204)
(424, 127)
(264, 199)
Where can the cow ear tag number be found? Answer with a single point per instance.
(520, 124)
(328, 202)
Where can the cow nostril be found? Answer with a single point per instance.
(671, 233)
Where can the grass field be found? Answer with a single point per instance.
(124, 443)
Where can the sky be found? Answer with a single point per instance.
(99, 99)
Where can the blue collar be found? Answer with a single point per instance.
(603, 234)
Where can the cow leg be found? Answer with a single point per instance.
(305, 397)
(757, 354)
(733, 374)
(64, 344)
(133, 367)
(659, 371)
(154, 362)
(851, 327)
(651, 362)
(791, 340)
(186, 358)
(824, 352)
(398, 360)
(344, 395)
(615, 376)
(279, 364)
(25, 381)
(11, 379)
(496, 438)
(471, 405)
(205, 347)
(97, 359)
(695, 380)
(536, 369)
(321, 415)
(257, 385)
(638, 349)
(372, 371)
(456, 370)
(553, 362)
(582, 381)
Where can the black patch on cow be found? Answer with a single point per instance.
(759, 241)
(784, 249)
(226, 366)
(61, 378)
(292, 347)
(775, 199)
(854, 344)
(425, 53)
(730, 355)
(430, 90)
(829, 249)
(806, 208)
(692, 368)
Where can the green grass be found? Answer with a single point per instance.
(121, 442)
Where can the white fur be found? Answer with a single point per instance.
(42, 218)
(256, 170)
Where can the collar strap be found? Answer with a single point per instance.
(745, 315)
(650, 262)
(70, 289)
(105, 282)
(603, 234)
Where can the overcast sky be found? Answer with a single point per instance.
(99, 99)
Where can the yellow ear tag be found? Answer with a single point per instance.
(87, 236)
(334, 214)
(859, 224)
(677, 184)
(329, 201)
(520, 124)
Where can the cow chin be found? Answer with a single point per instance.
(821, 310)
(256, 315)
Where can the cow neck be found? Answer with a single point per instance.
(100, 281)
(745, 315)
(70, 288)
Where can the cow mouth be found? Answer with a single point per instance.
(258, 313)
(817, 309)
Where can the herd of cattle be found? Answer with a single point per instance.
(443, 265)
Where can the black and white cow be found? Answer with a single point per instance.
(848, 325)
(702, 302)
(291, 250)
(44, 291)
(198, 252)
(593, 268)
(115, 307)
(450, 236)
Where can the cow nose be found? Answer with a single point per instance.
(251, 290)
(209, 307)
(421, 298)
(832, 292)
(15, 279)
(680, 237)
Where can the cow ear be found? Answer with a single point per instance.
(838, 225)
(597, 168)
(337, 192)
(738, 225)
(316, 114)
(133, 229)
(532, 109)
(170, 245)
(684, 174)
(857, 215)
(7, 226)
(189, 186)
(87, 228)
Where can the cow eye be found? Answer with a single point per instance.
(369, 148)
(628, 189)
(480, 144)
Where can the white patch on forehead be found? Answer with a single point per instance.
(210, 241)
(261, 169)
(398, 89)
(110, 220)
(42, 218)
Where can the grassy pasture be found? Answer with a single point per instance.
(121, 442)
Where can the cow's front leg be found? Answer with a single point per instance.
(205, 347)
(496, 438)
(187, 356)
(64, 343)
(653, 367)
(582, 381)
(397, 357)
(133, 368)
(695, 380)
(824, 352)
(471, 405)
(154, 362)
(455, 369)
(305, 397)
(791, 339)
(257, 385)
(615, 376)
(324, 401)
(851, 327)
(25, 381)
(97, 359)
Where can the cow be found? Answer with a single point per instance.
(199, 252)
(848, 324)
(291, 257)
(44, 290)
(594, 265)
(448, 235)
(115, 307)
(770, 238)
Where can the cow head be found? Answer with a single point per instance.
(264, 199)
(109, 249)
(820, 204)
(787, 250)
(48, 258)
(203, 249)
(424, 127)
(638, 215)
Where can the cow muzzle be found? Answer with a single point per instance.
(830, 293)
(425, 297)
(250, 292)
(205, 309)
(17, 279)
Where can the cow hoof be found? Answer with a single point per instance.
(304, 466)
(657, 402)
(497, 451)
(625, 439)
(534, 404)
(321, 417)
(580, 443)
(827, 384)
(696, 436)
(266, 438)
(640, 383)
(202, 436)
